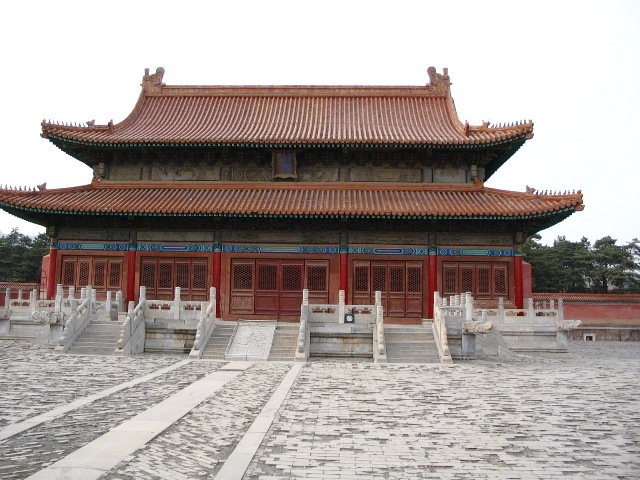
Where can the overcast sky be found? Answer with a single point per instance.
(573, 67)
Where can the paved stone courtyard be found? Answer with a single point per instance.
(574, 415)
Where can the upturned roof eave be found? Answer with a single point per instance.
(23, 213)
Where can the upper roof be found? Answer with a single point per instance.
(300, 200)
(290, 116)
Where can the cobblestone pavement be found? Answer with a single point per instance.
(574, 415)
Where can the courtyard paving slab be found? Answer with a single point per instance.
(574, 415)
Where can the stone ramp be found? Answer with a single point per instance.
(410, 344)
(100, 337)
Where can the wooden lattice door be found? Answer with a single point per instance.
(102, 273)
(399, 282)
(485, 280)
(273, 287)
(160, 276)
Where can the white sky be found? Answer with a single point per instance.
(573, 67)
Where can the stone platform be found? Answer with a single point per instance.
(533, 416)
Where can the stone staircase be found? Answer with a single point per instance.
(100, 337)
(284, 343)
(219, 341)
(410, 344)
(344, 341)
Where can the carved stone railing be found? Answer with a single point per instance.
(379, 346)
(132, 334)
(80, 317)
(304, 333)
(206, 325)
(439, 326)
(174, 311)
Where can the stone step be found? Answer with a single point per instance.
(91, 350)
(93, 339)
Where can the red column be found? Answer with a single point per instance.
(52, 274)
(217, 262)
(131, 274)
(433, 282)
(344, 272)
(517, 272)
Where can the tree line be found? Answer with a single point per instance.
(582, 267)
(21, 257)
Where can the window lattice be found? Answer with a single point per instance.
(379, 278)
(165, 275)
(397, 279)
(500, 281)
(466, 280)
(268, 277)
(449, 282)
(292, 278)
(83, 274)
(484, 285)
(243, 276)
(317, 279)
(114, 275)
(361, 279)
(182, 275)
(99, 274)
(148, 277)
(68, 274)
(414, 280)
(199, 279)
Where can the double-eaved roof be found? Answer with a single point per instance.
(272, 117)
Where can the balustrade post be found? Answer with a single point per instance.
(57, 306)
(83, 293)
(119, 301)
(143, 292)
(531, 314)
(341, 306)
(213, 299)
(33, 296)
(560, 310)
(72, 292)
(107, 304)
(501, 309)
(378, 298)
(94, 298)
(131, 314)
(7, 298)
(468, 307)
(305, 296)
(176, 304)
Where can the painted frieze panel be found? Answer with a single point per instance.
(449, 175)
(174, 236)
(264, 236)
(125, 173)
(110, 234)
(388, 238)
(318, 174)
(368, 174)
(251, 174)
(472, 239)
(184, 172)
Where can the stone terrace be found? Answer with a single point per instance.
(574, 415)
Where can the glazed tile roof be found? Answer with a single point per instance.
(292, 116)
(310, 200)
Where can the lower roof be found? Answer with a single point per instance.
(297, 200)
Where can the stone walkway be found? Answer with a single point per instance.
(574, 415)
